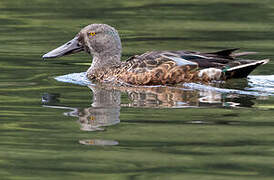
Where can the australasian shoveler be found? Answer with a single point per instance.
(152, 68)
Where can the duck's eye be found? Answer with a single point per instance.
(91, 34)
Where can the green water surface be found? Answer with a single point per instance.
(59, 137)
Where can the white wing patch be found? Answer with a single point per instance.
(200, 56)
(180, 61)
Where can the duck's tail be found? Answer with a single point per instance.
(242, 70)
(229, 53)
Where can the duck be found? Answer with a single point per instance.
(103, 43)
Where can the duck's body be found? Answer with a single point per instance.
(172, 67)
(155, 67)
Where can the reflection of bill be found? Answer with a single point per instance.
(50, 98)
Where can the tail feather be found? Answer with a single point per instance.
(229, 53)
(243, 70)
(226, 52)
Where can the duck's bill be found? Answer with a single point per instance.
(70, 47)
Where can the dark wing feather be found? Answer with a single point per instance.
(227, 53)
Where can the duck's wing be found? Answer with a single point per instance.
(202, 60)
(225, 60)
(217, 59)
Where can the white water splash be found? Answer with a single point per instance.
(258, 85)
(75, 78)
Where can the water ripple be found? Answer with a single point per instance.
(261, 84)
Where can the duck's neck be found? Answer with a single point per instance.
(104, 61)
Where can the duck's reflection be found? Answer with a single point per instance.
(106, 103)
(105, 108)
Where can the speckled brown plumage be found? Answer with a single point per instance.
(151, 72)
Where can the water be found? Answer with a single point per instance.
(56, 125)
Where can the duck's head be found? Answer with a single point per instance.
(99, 40)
